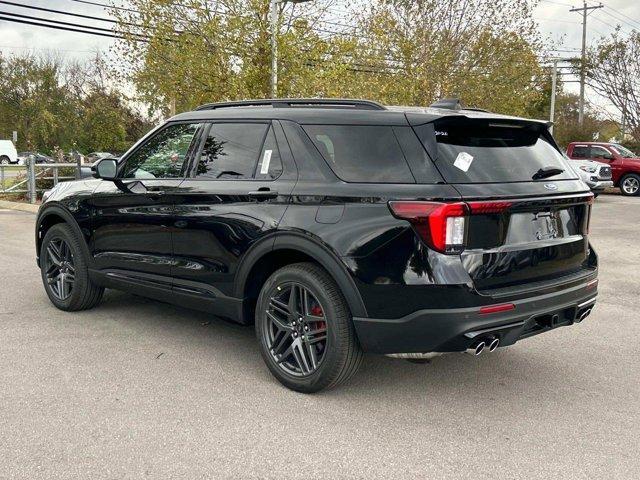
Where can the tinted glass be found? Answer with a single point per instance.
(421, 165)
(163, 155)
(361, 153)
(231, 151)
(600, 152)
(580, 152)
(269, 163)
(477, 151)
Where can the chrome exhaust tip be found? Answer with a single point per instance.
(493, 344)
(583, 315)
(476, 349)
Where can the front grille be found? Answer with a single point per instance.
(605, 173)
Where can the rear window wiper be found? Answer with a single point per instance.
(547, 172)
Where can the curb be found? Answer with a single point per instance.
(23, 207)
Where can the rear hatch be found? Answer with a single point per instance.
(526, 211)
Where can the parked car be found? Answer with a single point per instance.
(624, 164)
(8, 152)
(594, 174)
(95, 156)
(337, 227)
(39, 157)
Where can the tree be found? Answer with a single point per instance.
(613, 70)
(66, 105)
(395, 51)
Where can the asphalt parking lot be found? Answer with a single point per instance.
(139, 389)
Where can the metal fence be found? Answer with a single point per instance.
(23, 179)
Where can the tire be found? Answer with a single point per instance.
(4, 160)
(630, 185)
(337, 359)
(62, 254)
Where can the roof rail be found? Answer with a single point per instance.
(298, 102)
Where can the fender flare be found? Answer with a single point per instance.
(314, 249)
(55, 209)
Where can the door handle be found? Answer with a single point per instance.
(263, 193)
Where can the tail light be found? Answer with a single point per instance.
(442, 226)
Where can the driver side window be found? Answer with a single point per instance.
(599, 152)
(163, 155)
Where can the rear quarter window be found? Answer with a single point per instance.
(361, 153)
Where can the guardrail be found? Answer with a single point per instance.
(28, 175)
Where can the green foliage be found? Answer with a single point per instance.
(400, 52)
(53, 105)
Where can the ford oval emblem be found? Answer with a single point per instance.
(550, 186)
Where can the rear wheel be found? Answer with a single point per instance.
(4, 160)
(304, 329)
(630, 184)
(64, 271)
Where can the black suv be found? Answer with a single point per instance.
(336, 226)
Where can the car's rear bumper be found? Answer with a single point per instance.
(456, 329)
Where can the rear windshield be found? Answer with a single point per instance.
(362, 153)
(481, 151)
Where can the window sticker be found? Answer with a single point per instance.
(266, 160)
(463, 161)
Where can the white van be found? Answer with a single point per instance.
(8, 153)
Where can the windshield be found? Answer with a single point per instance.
(485, 151)
(622, 151)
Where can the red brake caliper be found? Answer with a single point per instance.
(316, 311)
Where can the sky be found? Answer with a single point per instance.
(555, 21)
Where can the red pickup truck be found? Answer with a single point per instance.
(625, 165)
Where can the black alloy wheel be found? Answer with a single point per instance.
(305, 330)
(64, 270)
(59, 268)
(296, 332)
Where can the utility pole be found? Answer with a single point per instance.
(554, 81)
(273, 14)
(585, 11)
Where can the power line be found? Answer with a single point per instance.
(60, 12)
(55, 27)
(623, 15)
(635, 27)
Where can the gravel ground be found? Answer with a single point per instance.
(136, 388)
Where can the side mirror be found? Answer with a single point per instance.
(107, 169)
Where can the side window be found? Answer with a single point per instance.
(270, 163)
(361, 153)
(600, 152)
(231, 151)
(580, 151)
(163, 155)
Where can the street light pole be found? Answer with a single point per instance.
(273, 14)
(274, 48)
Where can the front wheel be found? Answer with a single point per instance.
(630, 184)
(63, 266)
(304, 329)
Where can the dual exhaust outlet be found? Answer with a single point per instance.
(489, 344)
